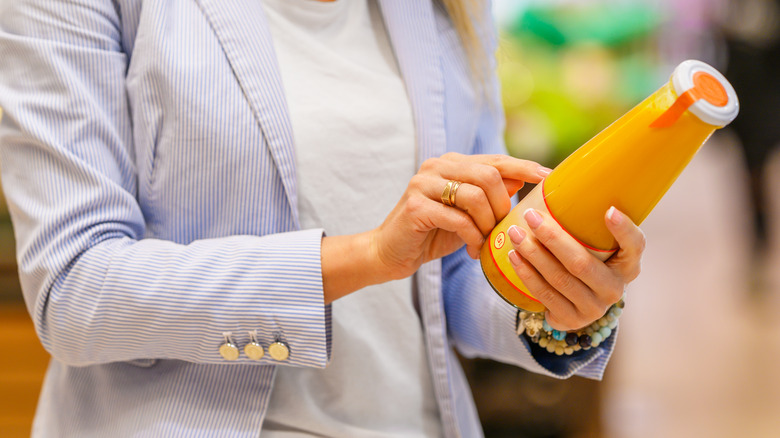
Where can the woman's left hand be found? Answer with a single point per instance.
(575, 286)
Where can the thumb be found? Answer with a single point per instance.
(631, 241)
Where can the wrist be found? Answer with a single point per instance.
(535, 328)
(350, 263)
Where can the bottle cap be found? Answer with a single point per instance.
(714, 100)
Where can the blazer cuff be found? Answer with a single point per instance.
(292, 324)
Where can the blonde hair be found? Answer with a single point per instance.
(466, 16)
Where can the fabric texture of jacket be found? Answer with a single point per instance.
(149, 166)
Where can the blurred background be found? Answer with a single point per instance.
(699, 339)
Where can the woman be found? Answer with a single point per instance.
(199, 187)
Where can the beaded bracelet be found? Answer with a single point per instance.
(536, 328)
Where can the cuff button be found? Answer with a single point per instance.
(254, 351)
(229, 351)
(279, 350)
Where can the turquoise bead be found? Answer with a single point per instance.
(605, 332)
(546, 326)
(596, 339)
(558, 335)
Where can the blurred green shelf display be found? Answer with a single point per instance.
(605, 23)
(567, 71)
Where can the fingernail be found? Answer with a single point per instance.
(514, 258)
(614, 216)
(533, 218)
(544, 171)
(516, 234)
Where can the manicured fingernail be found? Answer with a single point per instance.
(516, 234)
(544, 171)
(514, 258)
(533, 218)
(614, 216)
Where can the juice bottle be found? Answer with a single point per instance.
(630, 164)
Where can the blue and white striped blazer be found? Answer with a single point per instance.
(148, 163)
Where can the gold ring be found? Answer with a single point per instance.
(445, 195)
(454, 189)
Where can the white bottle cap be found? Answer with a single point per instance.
(716, 101)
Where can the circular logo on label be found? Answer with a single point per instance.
(499, 241)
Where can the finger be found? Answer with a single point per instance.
(432, 215)
(470, 199)
(553, 300)
(561, 314)
(513, 186)
(603, 285)
(557, 279)
(474, 202)
(510, 168)
(484, 177)
(500, 176)
(632, 243)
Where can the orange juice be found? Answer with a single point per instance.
(630, 165)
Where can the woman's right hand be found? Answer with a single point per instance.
(422, 228)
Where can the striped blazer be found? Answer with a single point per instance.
(148, 162)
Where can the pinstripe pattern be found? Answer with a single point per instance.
(147, 158)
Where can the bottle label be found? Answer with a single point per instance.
(500, 246)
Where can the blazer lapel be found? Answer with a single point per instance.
(411, 25)
(242, 29)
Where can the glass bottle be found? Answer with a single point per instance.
(630, 165)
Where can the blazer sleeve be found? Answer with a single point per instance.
(97, 290)
(480, 323)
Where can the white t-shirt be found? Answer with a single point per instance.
(355, 147)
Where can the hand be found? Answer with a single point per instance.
(421, 228)
(575, 286)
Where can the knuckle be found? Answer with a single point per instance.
(498, 159)
(530, 251)
(561, 280)
(451, 156)
(549, 297)
(414, 205)
(629, 270)
(462, 221)
(466, 198)
(581, 266)
(564, 320)
(429, 164)
(589, 312)
(480, 202)
(546, 234)
(417, 181)
(489, 176)
(641, 242)
(614, 295)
